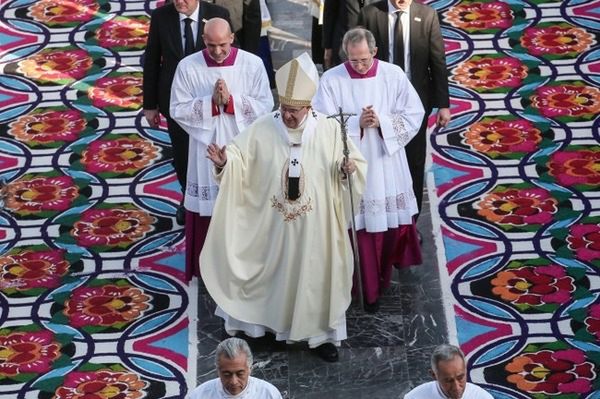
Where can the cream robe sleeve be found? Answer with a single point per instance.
(401, 122)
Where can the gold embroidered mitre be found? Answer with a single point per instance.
(297, 81)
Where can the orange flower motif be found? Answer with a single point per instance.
(108, 305)
(56, 65)
(48, 126)
(39, 194)
(124, 91)
(126, 155)
(486, 73)
(101, 384)
(556, 40)
(27, 352)
(496, 136)
(58, 12)
(567, 100)
(518, 207)
(28, 269)
(124, 32)
(479, 16)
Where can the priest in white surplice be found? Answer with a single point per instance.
(277, 256)
(216, 93)
(388, 115)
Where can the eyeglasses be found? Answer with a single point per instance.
(292, 111)
(363, 61)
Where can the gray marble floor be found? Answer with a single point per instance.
(387, 353)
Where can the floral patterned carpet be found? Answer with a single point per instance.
(515, 182)
(93, 301)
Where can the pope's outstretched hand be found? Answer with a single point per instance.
(217, 155)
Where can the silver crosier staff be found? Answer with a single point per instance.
(342, 118)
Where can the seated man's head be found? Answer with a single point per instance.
(218, 39)
(296, 83)
(234, 364)
(449, 369)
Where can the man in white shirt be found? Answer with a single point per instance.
(449, 370)
(234, 366)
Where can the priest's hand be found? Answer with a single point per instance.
(368, 117)
(348, 166)
(220, 92)
(153, 117)
(217, 155)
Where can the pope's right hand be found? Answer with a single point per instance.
(217, 155)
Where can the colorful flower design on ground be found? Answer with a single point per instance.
(32, 272)
(480, 17)
(108, 305)
(120, 155)
(518, 206)
(584, 240)
(117, 91)
(552, 372)
(58, 66)
(101, 384)
(124, 33)
(576, 166)
(491, 72)
(567, 101)
(561, 39)
(593, 321)
(64, 12)
(48, 126)
(118, 226)
(23, 352)
(496, 136)
(541, 288)
(41, 196)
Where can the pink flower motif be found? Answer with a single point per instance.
(125, 32)
(556, 40)
(592, 322)
(56, 65)
(112, 227)
(56, 12)
(584, 239)
(567, 100)
(28, 269)
(576, 166)
(27, 352)
(125, 155)
(487, 73)
(101, 384)
(40, 194)
(123, 91)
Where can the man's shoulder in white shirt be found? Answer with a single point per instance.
(430, 390)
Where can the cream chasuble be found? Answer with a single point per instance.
(192, 108)
(388, 200)
(280, 264)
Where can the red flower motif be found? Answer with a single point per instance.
(497, 136)
(29, 269)
(550, 373)
(478, 16)
(556, 40)
(101, 384)
(534, 286)
(518, 207)
(576, 167)
(48, 126)
(56, 65)
(39, 194)
(106, 305)
(123, 91)
(56, 12)
(486, 73)
(127, 155)
(584, 239)
(592, 322)
(567, 100)
(112, 227)
(27, 352)
(124, 32)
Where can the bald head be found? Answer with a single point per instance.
(218, 39)
(217, 27)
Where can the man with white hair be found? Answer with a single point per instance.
(277, 256)
(234, 366)
(449, 370)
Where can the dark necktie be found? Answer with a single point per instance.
(399, 41)
(189, 37)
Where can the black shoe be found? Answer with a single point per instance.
(327, 352)
(372, 307)
(180, 215)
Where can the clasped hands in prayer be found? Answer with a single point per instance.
(368, 117)
(220, 93)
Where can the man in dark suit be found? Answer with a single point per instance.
(423, 60)
(166, 46)
(339, 16)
